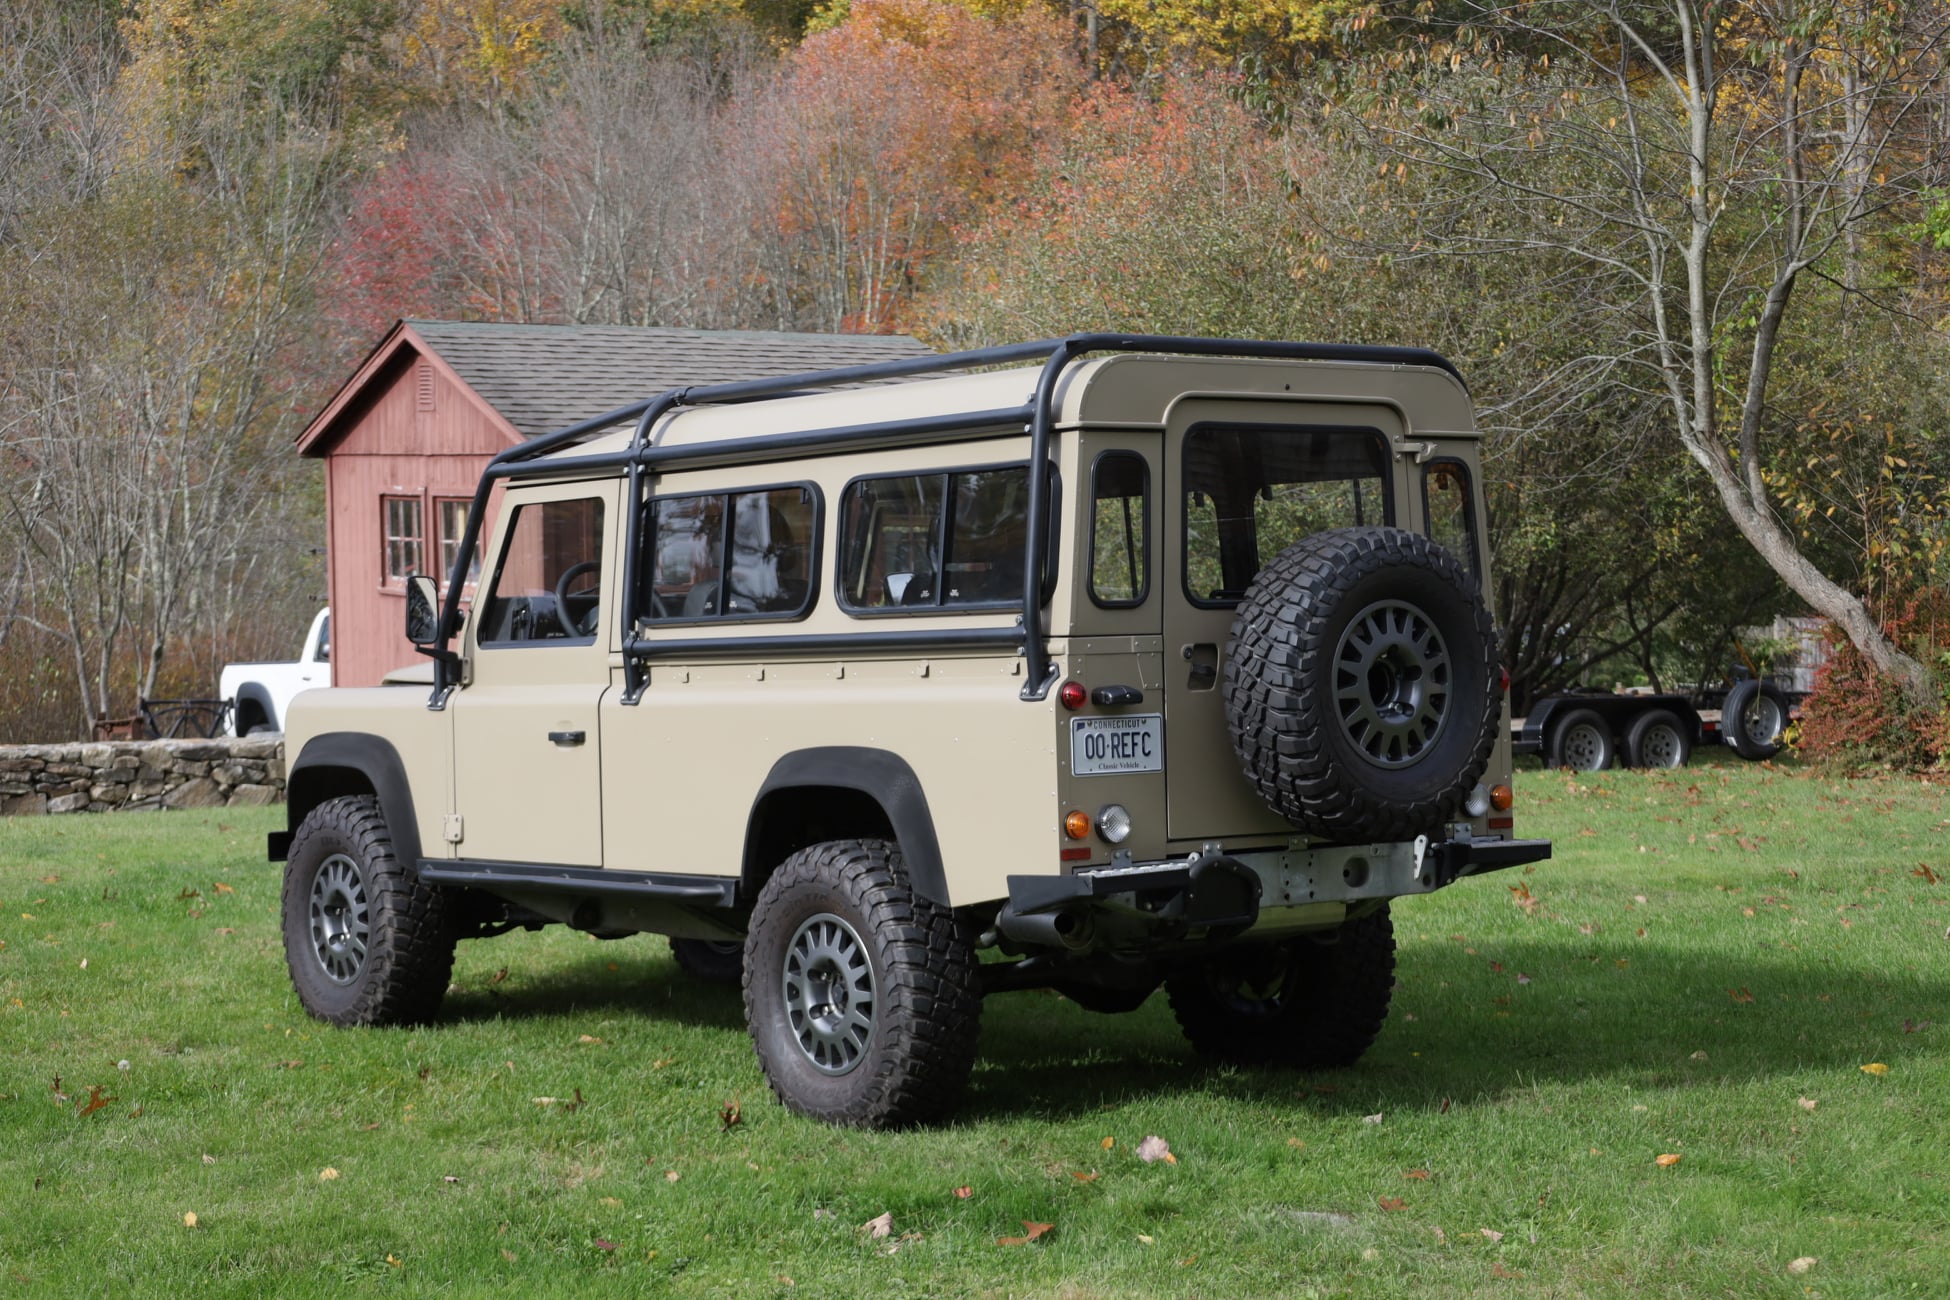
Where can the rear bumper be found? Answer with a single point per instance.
(1216, 896)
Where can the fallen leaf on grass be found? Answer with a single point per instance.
(963, 1193)
(1492, 1234)
(498, 976)
(209, 1160)
(1392, 1204)
(671, 1175)
(729, 1116)
(602, 1244)
(880, 1225)
(1806, 1103)
(189, 1220)
(393, 1261)
(1916, 1026)
(509, 1255)
(222, 888)
(588, 1038)
(1876, 1068)
(1697, 1056)
(1421, 1175)
(1497, 1270)
(1924, 874)
(1031, 1230)
(1147, 1240)
(94, 1102)
(1740, 994)
(1081, 1177)
(1666, 1161)
(1155, 1148)
(1296, 1144)
(328, 1174)
(1374, 1118)
(449, 1179)
(1108, 1143)
(1802, 1265)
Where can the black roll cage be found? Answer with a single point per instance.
(1037, 417)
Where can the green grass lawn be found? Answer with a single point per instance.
(1703, 971)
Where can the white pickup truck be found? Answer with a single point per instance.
(259, 694)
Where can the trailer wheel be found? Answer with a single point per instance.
(1581, 741)
(1361, 683)
(1657, 738)
(1754, 718)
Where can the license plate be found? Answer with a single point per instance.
(1113, 746)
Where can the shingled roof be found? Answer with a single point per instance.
(546, 377)
(540, 378)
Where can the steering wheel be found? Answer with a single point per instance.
(565, 602)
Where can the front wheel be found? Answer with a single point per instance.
(366, 942)
(1310, 1002)
(862, 997)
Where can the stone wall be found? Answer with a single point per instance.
(110, 775)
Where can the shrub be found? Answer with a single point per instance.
(1858, 718)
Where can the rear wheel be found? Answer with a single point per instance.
(712, 960)
(1581, 741)
(1308, 1002)
(366, 942)
(1657, 739)
(862, 997)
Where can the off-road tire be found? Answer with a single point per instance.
(343, 854)
(1316, 735)
(1657, 739)
(710, 961)
(1758, 737)
(924, 988)
(1305, 1003)
(1582, 741)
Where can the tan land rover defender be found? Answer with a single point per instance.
(1124, 661)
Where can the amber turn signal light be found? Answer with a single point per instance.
(1501, 797)
(1077, 824)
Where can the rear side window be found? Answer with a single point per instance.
(1252, 491)
(920, 541)
(1120, 529)
(1451, 510)
(732, 555)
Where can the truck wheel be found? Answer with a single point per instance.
(1754, 718)
(366, 942)
(711, 960)
(1361, 683)
(1305, 1002)
(1581, 741)
(862, 996)
(1657, 738)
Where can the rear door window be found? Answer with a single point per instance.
(733, 555)
(1251, 491)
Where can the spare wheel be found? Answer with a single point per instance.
(1361, 684)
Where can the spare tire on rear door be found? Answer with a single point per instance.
(1361, 684)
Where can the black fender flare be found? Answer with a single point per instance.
(883, 777)
(342, 762)
(254, 693)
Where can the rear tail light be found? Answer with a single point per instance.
(1502, 797)
(1073, 695)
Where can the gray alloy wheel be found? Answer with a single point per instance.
(341, 919)
(1391, 683)
(829, 993)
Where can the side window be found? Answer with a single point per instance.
(548, 582)
(731, 555)
(1253, 491)
(1120, 529)
(934, 540)
(1451, 508)
(401, 540)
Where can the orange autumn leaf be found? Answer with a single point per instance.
(1081, 1177)
(1031, 1231)
(1876, 1068)
(1393, 1204)
(963, 1193)
(95, 1101)
(1420, 1174)
(1666, 1161)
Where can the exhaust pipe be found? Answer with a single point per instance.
(1066, 929)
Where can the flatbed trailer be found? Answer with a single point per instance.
(1589, 731)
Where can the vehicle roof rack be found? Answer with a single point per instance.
(643, 455)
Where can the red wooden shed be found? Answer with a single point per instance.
(405, 439)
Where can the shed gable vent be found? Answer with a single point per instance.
(423, 377)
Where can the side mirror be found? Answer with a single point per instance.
(422, 611)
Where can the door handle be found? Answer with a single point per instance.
(566, 739)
